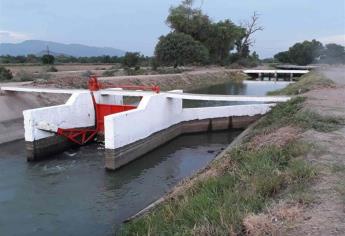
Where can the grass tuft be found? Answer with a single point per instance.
(293, 113)
(310, 81)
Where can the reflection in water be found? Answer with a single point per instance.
(74, 195)
(233, 88)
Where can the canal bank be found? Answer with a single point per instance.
(78, 187)
(231, 195)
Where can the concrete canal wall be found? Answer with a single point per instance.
(128, 135)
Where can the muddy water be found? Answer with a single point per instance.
(72, 194)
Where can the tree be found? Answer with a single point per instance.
(179, 49)
(283, 57)
(333, 54)
(186, 19)
(303, 53)
(48, 59)
(218, 37)
(255, 56)
(221, 40)
(248, 30)
(131, 59)
(306, 52)
(5, 74)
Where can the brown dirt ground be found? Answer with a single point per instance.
(326, 216)
(186, 80)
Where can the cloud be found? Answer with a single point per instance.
(12, 37)
(338, 39)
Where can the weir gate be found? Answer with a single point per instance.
(129, 131)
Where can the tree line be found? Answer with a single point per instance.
(51, 59)
(309, 52)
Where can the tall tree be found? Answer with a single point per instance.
(249, 28)
(179, 49)
(306, 52)
(333, 54)
(219, 38)
(186, 19)
(303, 53)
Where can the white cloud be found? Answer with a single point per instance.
(12, 37)
(338, 39)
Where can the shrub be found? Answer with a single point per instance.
(51, 69)
(48, 59)
(131, 59)
(5, 74)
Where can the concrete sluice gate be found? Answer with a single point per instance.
(131, 131)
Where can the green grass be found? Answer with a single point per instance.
(306, 83)
(292, 113)
(218, 205)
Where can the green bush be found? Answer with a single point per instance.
(51, 69)
(5, 74)
(48, 59)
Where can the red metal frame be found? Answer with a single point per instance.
(105, 110)
(83, 135)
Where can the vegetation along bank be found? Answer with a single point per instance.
(265, 183)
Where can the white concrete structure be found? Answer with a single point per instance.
(301, 72)
(158, 112)
(77, 112)
(155, 112)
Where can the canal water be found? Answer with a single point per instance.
(72, 194)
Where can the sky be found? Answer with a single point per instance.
(136, 25)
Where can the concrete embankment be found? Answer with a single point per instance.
(185, 81)
(12, 106)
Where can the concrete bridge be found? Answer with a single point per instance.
(129, 134)
(275, 74)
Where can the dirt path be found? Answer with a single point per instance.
(326, 215)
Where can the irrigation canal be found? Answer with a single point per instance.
(72, 194)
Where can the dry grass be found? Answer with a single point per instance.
(273, 220)
(278, 138)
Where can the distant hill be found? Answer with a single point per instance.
(37, 47)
